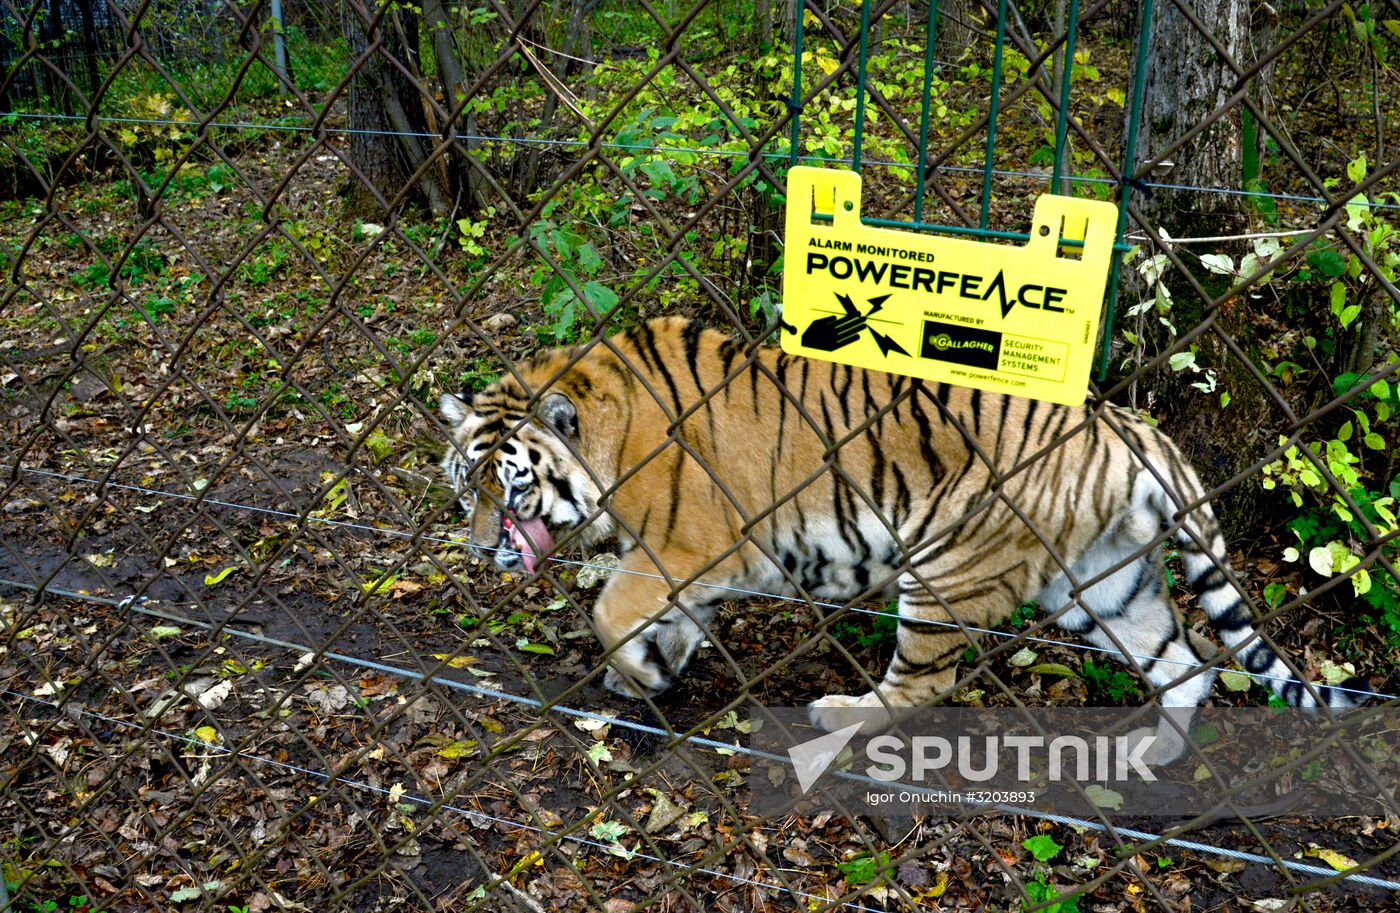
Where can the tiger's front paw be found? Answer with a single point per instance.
(1165, 747)
(644, 682)
(644, 677)
(837, 711)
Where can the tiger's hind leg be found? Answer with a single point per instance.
(928, 646)
(1130, 611)
(1159, 646)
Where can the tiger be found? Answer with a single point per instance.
(723, 466)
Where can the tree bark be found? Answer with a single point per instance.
(1359, 346)
(90, 47)
(385, 111)
(1187, 81)
(763, 23)
(787, 20)
(956, 27)
(55, 33)
(454, 86)
(577, 43)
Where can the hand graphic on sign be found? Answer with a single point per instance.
(827, 334)
(830, 333)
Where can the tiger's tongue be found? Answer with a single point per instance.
(525, 532)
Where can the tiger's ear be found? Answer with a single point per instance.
(455, 408)
(558, 412)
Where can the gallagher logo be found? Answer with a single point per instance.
(961, 345)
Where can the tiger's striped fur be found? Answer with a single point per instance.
(746, 468)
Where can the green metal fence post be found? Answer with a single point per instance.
(795, 102)
(992, 111)
(929, 35)
(1125, 191)
(861, 62)
(1062, 118)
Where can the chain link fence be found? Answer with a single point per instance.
(250, 660)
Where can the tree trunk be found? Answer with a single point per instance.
(386, 111)
(1359, 346)
(575, 36)
(1186, 82)
(957, 28)
(210, 10)
(1264, 31)
(55, 35)
(90, 46)
(787, 20)
(454, 87)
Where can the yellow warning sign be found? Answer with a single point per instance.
(1001, 317)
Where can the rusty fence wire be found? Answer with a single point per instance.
(249, 659)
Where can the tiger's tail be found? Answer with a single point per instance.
(1231, 618)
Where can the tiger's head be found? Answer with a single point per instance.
(515, 472)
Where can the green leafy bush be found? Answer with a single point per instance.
(1114, 682)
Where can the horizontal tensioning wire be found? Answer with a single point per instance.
(611, 848)
(740, 591)
(694, 150)
(1192, 845)
(141, 605)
